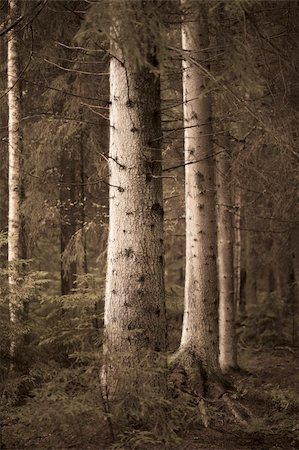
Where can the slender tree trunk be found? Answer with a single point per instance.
(237, 252)
(14, 174)
(134, 319)
(295, 285)
(3, 172)
(250, 286)
(200, 322)
(262, 281)
(227, 334)
(3, 201)
(281, 270)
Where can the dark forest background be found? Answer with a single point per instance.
(52, 398)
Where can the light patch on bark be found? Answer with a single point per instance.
(200, 323)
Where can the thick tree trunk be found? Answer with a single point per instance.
(14, 173)
(200, 323)
(227, 334)
(134, 319)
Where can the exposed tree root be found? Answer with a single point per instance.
(239, 411)
(203, 412)
(202, 386)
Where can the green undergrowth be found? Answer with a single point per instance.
(271, 388)
(55, 400)
(65, 407)
(267, 323)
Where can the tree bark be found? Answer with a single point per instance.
(237, 252)
(134, 318)
(200, 322)
(14, 175)
(295, 285)
(250, 262)
(227, 334)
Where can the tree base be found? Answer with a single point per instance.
(188, 375)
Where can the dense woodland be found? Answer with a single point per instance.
(149, 246)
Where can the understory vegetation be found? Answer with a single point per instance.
(58, 402)
(149, 245)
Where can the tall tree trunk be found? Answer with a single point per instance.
(134, 319)
(14, 174)
(250, 262)
(295, 284)
(3, 173)
(3, 201)
(227, 334)
(200, 322)
(281, 271)
(237, 252)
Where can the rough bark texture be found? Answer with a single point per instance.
(227, 334)
(14, 171)
(200, 323)
(134, 319)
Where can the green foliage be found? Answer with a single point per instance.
(151, 417)
(28, 288)
(56, 392)
(280, 421)
(283, 398)
(275, 401)
(136, 28)
(266, 323)
(58, 402)
(63, 407)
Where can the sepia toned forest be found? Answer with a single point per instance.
(149, 224)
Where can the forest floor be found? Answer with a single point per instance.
(269, 385)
